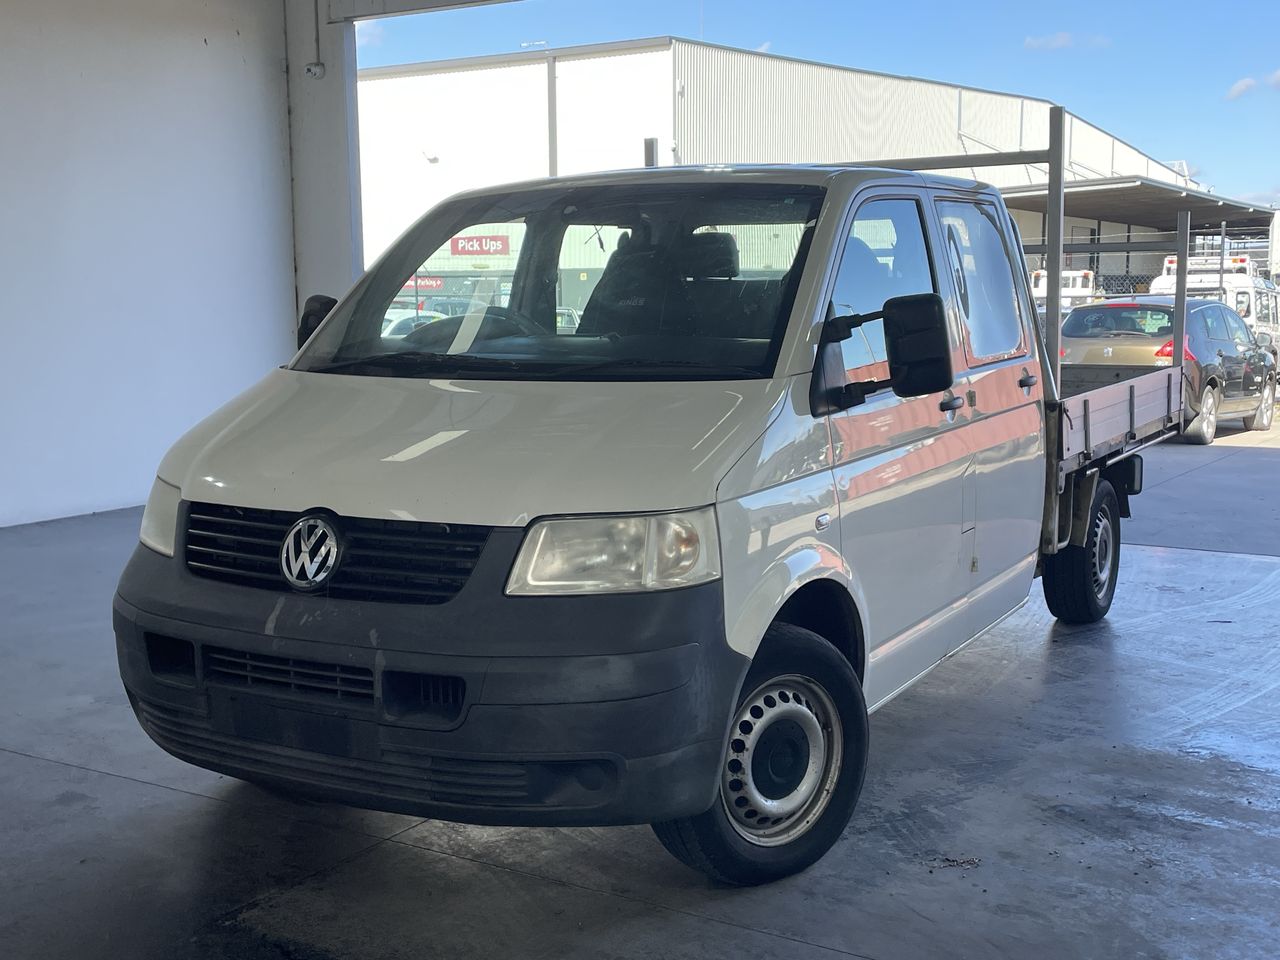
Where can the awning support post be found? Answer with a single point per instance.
(1180, 297)
(1054, 217)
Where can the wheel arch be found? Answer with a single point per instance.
(826, 607)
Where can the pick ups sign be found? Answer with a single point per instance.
(490, 246)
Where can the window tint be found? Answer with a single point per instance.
(1239, 331)
(1216, 321)
(983, 272)
(885, 257)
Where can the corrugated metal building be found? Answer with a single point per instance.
(428, 130)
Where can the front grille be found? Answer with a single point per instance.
(335, 682)
(403, 774)
(394, 561)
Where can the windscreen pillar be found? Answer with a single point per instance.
(324, 150)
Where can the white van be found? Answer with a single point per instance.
(1237, 283)
(658, 566)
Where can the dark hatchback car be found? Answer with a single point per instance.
(1230, 372)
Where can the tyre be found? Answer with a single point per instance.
(1080, 582)
(1205, 426)
(1266, 410)
(792, 770)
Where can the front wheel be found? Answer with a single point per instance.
(1080, 582)
(793, 767)
(1261, 420)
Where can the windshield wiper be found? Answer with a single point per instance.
(420, 359)
(746, 373)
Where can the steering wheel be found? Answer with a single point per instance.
(525, 325)
(496, 322)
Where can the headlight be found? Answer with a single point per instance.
(618, 554)
(160, 517)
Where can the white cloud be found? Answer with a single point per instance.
(764, 48)
(1241, 87)
(369, 33)
(1052, 41)
(1274, 79)
(1099, 41)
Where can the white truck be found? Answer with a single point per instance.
(658, 568)
(1078, 287)
(1235, 280)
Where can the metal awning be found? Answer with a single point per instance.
(1142, 202)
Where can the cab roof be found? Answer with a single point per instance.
(801, 174)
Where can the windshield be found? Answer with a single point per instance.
(1118, 321)
(625, 282)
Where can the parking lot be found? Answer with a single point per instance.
(1050, 791)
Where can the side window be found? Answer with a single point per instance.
(983, 272)
(1216, 321)
(1239, 331)
(1243, 297)
(584, 251)
(885, 256)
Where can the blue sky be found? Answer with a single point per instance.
(1179, 80)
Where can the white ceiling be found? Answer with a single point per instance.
(341, 11)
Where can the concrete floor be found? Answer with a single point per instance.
(1051, 792)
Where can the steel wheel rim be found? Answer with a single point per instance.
(771, 821)
(1268, 404)
(1103, 552)
(1209, 411)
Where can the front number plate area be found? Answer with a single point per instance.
(252, 718)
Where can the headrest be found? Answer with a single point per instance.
(702, 256)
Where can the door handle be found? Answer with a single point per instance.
(951, 403)
(1029, 380)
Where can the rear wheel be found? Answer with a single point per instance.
(1080, 582)
(1205, 426)
(792, 770)
(1266, 410)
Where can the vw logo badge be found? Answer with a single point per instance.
(309, 553)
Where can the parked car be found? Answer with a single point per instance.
(1230, 371)
(567, 320)
(659, 571)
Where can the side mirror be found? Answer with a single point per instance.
(314, 311)
(918, 345)
(917, 348)
(1264, 339)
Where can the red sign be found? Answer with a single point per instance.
(493, 246)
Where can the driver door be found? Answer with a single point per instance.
(900, 465)
(1253, 361)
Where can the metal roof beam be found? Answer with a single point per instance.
(961, 160)
(345, 11)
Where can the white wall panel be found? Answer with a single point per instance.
(428, 136)
(145, 240)
(1089, 155)
(738, 107)
(607, 106)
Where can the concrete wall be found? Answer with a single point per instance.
(145, 240)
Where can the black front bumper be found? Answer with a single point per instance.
(560, 710)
